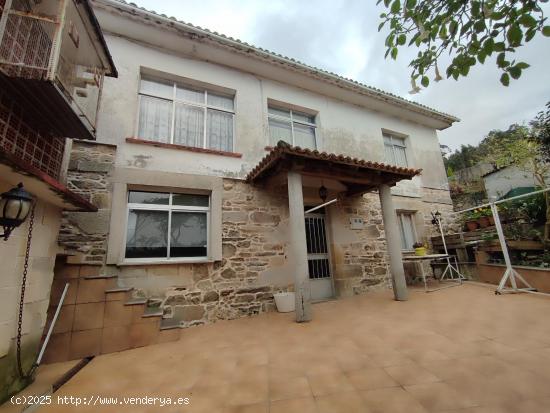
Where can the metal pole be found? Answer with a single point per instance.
(321, 206)
(541, 191)
(52, 325)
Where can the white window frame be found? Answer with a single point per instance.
(291, 121)
(168, 208)
(400, 215)
(204, 106)
(398, 141)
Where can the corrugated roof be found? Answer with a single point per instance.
(296, 64)
(283, 149)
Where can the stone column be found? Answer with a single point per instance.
(393, 241)
(298, 247)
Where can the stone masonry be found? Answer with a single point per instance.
(84, 234)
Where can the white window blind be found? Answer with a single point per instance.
(295, 128)
(183, 115)
(407, 229)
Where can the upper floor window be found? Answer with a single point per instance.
(165, 226)
(173, 113)
(396, 150)
(295, 128)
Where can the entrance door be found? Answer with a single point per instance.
(320, 274)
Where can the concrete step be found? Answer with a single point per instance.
(101, 276)
(117, 293)
(136, 301)
(153, 312)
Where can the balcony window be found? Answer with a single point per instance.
(183, 115)
(295, 128)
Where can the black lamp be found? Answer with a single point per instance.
(323, 193)
(15, 206)
(436, 217)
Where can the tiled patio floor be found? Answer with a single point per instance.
(461, 349)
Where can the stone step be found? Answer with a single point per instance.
(136, 301)
(169, 324)
(101, 276)
(117, 293)
(119, 290)
(153, 312)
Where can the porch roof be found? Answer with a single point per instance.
(358, 175)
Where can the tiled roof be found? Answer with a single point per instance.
(283, 149)
(296, 64)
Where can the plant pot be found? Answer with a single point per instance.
(471, 225)
(483, 222)
(491, 220)
(285, 302)
(420, 251)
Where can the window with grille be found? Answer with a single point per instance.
(396, 150)
(164, 226)
(295, 128)
(173, 113)
(407, 229)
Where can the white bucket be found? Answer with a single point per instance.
(285, 302)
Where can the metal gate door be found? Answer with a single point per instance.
(320, 275)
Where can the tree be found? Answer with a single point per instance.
(525, 152)
(469, 30)
(541, 131)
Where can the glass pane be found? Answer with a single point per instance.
(189, 126)
(157, 88)
(140, 197)
(400, 156)
(303, 117)
(279, 131)
(304, 136)
(390, 158)
(188, 234)
(155, 118)
(220, 101)
(147, 234)
(190, 94)
(407, 231)
(219, 130)
(190, 200)
(398, 142)
(279, 112)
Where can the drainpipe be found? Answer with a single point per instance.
(394, 243)
(299, 247)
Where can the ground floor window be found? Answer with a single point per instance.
(163, 225)
(407, 229)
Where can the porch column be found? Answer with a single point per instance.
(393, 241)
(298, 247)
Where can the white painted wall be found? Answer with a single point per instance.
(343, 127)
(499, 183)
(39, 278)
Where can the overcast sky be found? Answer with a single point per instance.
(341, 36)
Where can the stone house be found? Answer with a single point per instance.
(53, 59)
(209, 151)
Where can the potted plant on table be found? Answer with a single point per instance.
(483, 219)
(419, 248)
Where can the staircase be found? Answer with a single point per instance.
(100, 316)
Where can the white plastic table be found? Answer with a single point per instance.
(428, 257)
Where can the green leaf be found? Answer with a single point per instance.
(425, 81)
(381, 25)
(387, 3)
(515, 72)
(505, 79)
(530, 34)
(396, 7)
(410, 4)
(526, 20)
(514, 35)
(394, 53)
(523, 65)
(443, 32)
(546, 31)
(402, 39)
(499, 47)
(481, 57)
(479, 26)
(453, 27)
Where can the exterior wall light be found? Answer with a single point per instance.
(15, 206)
(323, 193)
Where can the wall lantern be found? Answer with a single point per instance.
(323, 193)
(15, 206)
(436, 218)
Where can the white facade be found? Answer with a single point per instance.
(499, 183)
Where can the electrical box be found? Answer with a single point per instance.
(357, 223)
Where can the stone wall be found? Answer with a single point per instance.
(84, 234)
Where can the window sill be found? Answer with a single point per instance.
(146, 261)
(183, 147)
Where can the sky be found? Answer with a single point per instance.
(341, 36)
